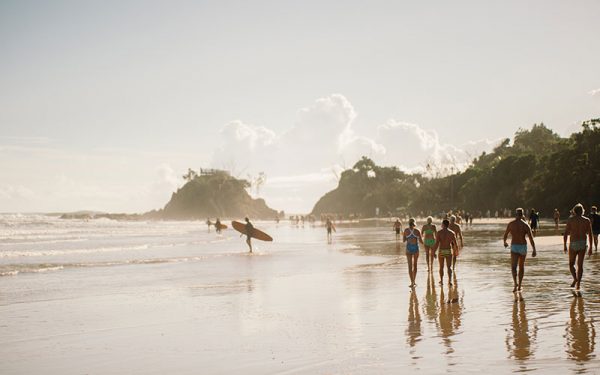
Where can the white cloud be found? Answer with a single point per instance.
(595, 92)
(323, 139)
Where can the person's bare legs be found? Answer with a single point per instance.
(514, 260)
(580, 258)
(454, 262)
(595, 242)
(441, 262)
(409, 263)
(449, 267)
(249, 243)
(415, 257)
(427, 251)
(572, 258)
(521, 269)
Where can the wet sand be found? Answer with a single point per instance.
(298, 305)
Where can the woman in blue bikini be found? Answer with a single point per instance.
(412, 237)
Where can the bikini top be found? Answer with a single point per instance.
(412, 234)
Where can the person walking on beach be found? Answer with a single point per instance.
(595, 218)
(534, 218)
(518, 229)
(249, 230)
(455, 227)
(412, 237)
(429, 230)
(445, 240)
(397, 228)
(578, 228)
(556, 218)
(208, 223)
(330, 227)
(218, 226)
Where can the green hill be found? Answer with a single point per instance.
(216, 194)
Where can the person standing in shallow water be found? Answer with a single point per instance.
(397, 228)
(556, 218)
(412, 237)
(518, 229)
(595, 218)
(249, 230)
(445, 240)
(578, 228)
(429, 230)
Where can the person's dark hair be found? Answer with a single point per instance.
(411, 222)
(519, 211)
(578, 209)
(445, 223)
(247, 219)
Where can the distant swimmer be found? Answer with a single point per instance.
(518, 229)
(249, 230)
(595, 218)
(556, 218)
(534, 218)
(208, 223)
(412, 237)
(578, 228)
(445, 240)
(397, 228)
(330, 228)
(429, 230)
(455, 227)
(218, 226)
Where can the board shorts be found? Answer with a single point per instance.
(397, 230)
(328, 230)
(412, 248)
(429, 242)
(445, 252)
(518, 248)
(534, 225)
(578, 245)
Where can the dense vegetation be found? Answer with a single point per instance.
(214, 195)
(539, 169)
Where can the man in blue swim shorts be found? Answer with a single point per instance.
(518, 229)
(578, 228)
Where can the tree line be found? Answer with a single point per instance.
(537, 169)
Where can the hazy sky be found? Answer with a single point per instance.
(103, 105)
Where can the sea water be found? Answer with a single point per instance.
(104, 296)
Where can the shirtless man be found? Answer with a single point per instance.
(556, 218)
(578, 227)
(397, 228)
(455, 227)
(518, 229)
(445, 240)
(595, 218)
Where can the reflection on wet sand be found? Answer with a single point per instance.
(580, 333)
(431, 304)
(449, 321)
(521, 338)
(413, 331)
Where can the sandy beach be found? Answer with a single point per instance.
(106, 297)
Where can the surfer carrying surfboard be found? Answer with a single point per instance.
(249, 230)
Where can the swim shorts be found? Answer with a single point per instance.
(429, 242)
(520, 249)
(578, 245)
(412, 248)
(445, 252)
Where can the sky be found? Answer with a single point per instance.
(105, 104)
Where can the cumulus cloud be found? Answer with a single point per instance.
(306, 158)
